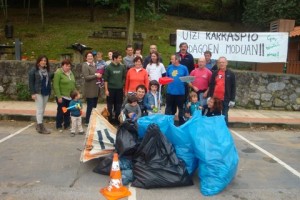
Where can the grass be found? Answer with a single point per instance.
(64, 26)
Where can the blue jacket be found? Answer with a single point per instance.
(150, 100)
(75, 112)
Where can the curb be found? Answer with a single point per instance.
(231, 124)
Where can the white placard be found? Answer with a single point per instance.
(263, 47)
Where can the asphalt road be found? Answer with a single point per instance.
(35, 166)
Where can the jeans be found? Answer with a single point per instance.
(174, 102)
(61, 117)
(114, 102)
(225, 110)
(202, 100)
(90, 104)
(40, 103)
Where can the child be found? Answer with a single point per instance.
(100, 65)
(132, 110)
(76, 113)
(152, 100)
(192, 105)
(214, 107)
(138, 52)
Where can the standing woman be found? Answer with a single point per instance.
(91, 89)
(63, 85)
(155, 68)
(136, 75)
(40, 89)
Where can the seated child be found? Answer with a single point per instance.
(100, 66)
(76, 113)
(192, 105)
(132, 109)
(214, 107)
(152, 100)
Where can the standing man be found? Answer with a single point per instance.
(211, 64)
(153, 48)
(222, 86)
(201, 83)
(128, 59)
(114, 79)
(186, 58)
(175, 97)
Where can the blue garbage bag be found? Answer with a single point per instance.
(126, 169)
(183, 145)
(214, 147)
(163, 121)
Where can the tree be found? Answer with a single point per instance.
(4, 8)
(42, 12)
(260, 13)
(131, 23)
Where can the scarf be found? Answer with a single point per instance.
(44, 74)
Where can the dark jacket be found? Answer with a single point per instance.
(35, 82)
(230, 87)
(187, 60)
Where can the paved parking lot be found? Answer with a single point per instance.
(35, 166)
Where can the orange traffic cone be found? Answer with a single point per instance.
(115, 189)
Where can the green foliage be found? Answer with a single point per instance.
(261, 12)
(22, 92)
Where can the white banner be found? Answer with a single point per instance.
(263, 47)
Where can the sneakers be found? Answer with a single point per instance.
(81, 133)
(60, 130)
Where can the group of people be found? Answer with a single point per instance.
(137, 81)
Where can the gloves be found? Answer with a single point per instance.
(231, 104)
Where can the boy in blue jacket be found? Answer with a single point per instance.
(75, 111)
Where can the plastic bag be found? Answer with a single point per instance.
(163, 121)
(183, 145)
(156, 164)
(126, 140)
(216, 151)
(104, 165)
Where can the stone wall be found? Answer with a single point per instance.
(255, 90)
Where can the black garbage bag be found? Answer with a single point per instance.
(104, 165)
(155, 163)
(127, 139)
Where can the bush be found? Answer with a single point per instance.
(22, 92)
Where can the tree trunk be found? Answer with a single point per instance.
(131, 23)
(28, 9)
(42, 13)
(92, 10)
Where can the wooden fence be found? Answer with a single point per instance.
(293, 67)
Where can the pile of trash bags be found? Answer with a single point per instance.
(155, 153)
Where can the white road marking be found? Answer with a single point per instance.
(133, 193)
(16, 133)
(268, 154)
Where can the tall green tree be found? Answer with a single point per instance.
(260, 13)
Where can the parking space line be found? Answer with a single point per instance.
(16, 133)
(268, 154)
(133, 193)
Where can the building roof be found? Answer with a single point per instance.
(295, 32)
